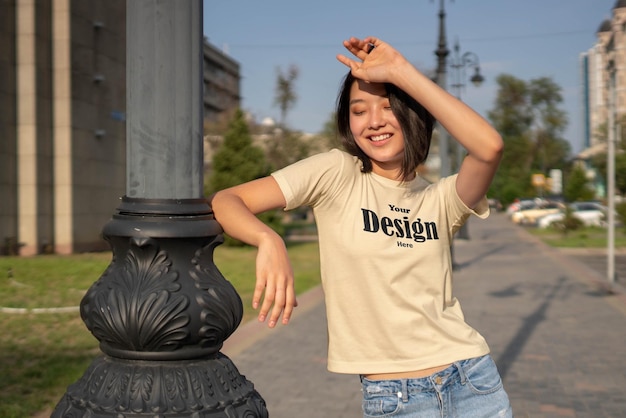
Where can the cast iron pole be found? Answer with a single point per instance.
(442, 53)
(162, 310)
(458, 64)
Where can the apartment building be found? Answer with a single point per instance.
(62, 124)
(608, 54)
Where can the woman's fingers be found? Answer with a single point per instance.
(357, 47)
(278, 300)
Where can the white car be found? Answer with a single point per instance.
(522, 204)
(590, 213)
(530, 215)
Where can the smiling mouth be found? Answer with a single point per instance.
(377, 138)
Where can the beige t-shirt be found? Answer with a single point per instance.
(385, 265)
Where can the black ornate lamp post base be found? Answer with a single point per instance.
(162, 311)
(120, 388)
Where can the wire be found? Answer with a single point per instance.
(431, 42)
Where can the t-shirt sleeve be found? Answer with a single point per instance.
(458, 212)
(309, 181)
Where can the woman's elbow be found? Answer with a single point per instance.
(216, 200)
(495, 150)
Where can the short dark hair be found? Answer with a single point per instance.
(415, 121)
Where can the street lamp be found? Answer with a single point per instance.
(440, 78)
(162, 310)
(458, 65)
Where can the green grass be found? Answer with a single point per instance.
(238, 266)
(592, 237)
(41, 354)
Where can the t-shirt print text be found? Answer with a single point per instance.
(399, 224)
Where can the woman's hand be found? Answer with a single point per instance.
(274, 276)
(378, 61)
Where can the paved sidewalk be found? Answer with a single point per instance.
(556, 333)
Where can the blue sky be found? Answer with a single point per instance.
(527, 39)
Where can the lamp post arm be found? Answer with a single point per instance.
(471, 60)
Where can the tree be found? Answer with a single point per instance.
(549, 123)
(528, 117)
(286, 148)
(577, 187)
(599, 161)
(286, 95)
(329, 134)
(237, 159)
(511, 114)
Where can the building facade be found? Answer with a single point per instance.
(221, 84)
(607, 55)
(62, 124)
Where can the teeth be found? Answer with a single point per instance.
(377, 138)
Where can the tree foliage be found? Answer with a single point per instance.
(528, 117)
(600, 161)
(577, 187)
(237, 160)
(286, 95)
(286, 147)
(329, 135)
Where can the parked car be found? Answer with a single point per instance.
(531, 215)
(590, 213)
(495, 204)
(521, 204)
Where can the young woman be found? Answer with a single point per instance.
(384, 236)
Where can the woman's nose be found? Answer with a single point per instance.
(377, 119)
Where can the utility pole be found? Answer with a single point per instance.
(611, 67)
(162, 310)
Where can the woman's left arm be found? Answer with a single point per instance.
(483, 143)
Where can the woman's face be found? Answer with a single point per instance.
(375, 128)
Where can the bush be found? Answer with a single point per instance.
(272, 218)
(621, 213)
(569, 222)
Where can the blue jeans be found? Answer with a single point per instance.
(467, 389)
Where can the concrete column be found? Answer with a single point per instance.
(26, 93)
(62, 125)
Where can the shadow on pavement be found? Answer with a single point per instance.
(516, 345)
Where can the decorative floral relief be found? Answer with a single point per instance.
(187, 390)
(135, 305)
(222, 309)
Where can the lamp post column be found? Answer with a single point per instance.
(441, 75)
(162, 310)
(458, 64)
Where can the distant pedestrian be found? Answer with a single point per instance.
(385, 235)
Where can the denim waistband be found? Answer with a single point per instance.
(452, 374)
